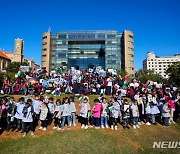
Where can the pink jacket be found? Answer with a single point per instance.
(171, 104)
(97, 110)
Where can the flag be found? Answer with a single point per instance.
(126, 81)
(64, 68)
(111, 108)
(53, 92)
(19, 74)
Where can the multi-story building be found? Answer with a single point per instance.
(18, 50)
(106, 48)
(159, 64)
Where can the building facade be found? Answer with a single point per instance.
(84, 49)
(160, 64)
(4, 61)
(18, 50)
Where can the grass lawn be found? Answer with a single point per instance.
(78, 141)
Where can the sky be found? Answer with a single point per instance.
(155, 23)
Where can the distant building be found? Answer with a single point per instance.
(106, 48)
(18, 50)
(159, 64)
(31, 63)
(4, 61)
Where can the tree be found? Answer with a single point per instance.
(144, 75)
(123, 73)
(13, 68)
(174, 73)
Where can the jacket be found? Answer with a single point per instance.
(27, 114)
(85, 107)
(165, 111)
(66, 111)
(19, 109)
(97, 110)
(116, 110)
(135, 111)
(73, 106)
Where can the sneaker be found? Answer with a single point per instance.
(142, 122)
(74, 124)
(148, 123)
(134, 126)
(173, 122)
(40, 128)
(82, 126)
(112, 127)
(97, 127)
(32, 133)
(107, 126)
(69, 128)
(24, 134)
(139, 123)
(90, 126)
(102, 126)
(86, 127)
(44, 129)
(115, 127)
(62, 129)
(137, 126)
(54, 127)
(70, 124)
(58, 128)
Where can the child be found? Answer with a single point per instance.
(147, 110)
(37, 107)
(126, 114)
(5, 107)
(154, 109)
(166, 114)
(84, 108)
(73, 110)
(43, 117)
(172, 109)
(27, 119)
(96, 114)
(114, 112)
(135, 114)
(19, 114)
(66, 113)
(51, 107)
(11, 111)
(104, 116)
(57, 115)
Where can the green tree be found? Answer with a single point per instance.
(174, 73)
(13, 68)
(144, 75)
(123, 73)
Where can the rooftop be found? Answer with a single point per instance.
(3, 55)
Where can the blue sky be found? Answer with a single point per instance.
(155, 23)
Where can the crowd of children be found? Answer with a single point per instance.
(144, 108)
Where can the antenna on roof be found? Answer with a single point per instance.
(49, 29)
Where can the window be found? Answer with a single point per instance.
(44, 37)
(131, 49)
(43, 55)
(130, 55)
(131, 62)
(44, 43)
(111, 61)
(43, 61)
(62, 37)
(111, 36)
(131, 36)
(44, 49)
(130, 42)
(61, 55)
